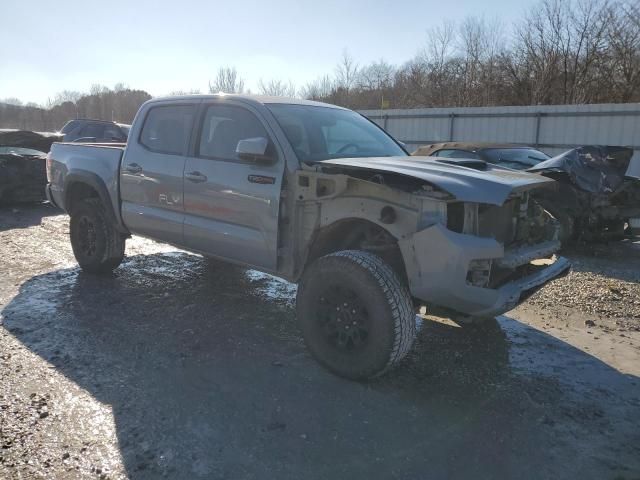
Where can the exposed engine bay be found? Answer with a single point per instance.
(478, 223)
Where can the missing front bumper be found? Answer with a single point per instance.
(437, 262)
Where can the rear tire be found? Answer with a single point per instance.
(97, 245)
(356, 317)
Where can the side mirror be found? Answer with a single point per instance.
(254, 149)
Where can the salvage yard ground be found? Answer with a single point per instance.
(178, 367)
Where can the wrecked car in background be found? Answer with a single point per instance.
(596, 198)
(598, 193)
(23, 165)
(318, 195)
(517, 157)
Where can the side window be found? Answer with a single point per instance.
(166, 129)
(223, 127)
(111, 132)
(452, 153)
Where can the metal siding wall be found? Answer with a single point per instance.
(561, 126)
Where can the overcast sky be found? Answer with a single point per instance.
(160, 46)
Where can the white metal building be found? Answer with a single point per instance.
(551, 128)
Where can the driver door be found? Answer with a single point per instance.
(232, 205)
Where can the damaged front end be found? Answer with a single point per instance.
(480, 243)
(485, 261)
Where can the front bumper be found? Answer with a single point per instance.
(437, 261)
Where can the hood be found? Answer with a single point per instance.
(466, 180)
(593, 168)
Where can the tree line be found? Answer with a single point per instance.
(119, 104)
(559, 52)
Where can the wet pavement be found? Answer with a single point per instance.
(181, 367)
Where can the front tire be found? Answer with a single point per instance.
(356, 317)
(97, 245)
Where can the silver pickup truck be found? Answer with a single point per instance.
(321, 196)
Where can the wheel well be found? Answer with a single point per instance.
(79, 191)
(358, 234)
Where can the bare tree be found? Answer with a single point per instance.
(192, 91)
(319, 89)
(66, 96)
(562, 51)
(430, 73)
(376, 76)
(623, 62)
(632, 12)
(479, 43)
(227, 81)
(346, 71)
(103, 103)
(277, 88)
(12, 101)
(439, 46)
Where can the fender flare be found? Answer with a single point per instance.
(91, 179)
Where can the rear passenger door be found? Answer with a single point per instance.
(231, 204)
(151, 175)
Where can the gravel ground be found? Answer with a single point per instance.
(604, 283)
(177, 367)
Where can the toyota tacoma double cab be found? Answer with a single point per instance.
(321, 196)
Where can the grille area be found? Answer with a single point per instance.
(499, 222)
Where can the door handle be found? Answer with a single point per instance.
(133, 168)
(195, 177)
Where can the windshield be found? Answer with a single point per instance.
(518, 158)
(70, 125)
(321, 133)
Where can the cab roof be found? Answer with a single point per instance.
(256, 99)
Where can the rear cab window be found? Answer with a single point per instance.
(167, 128)
(93, 130)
